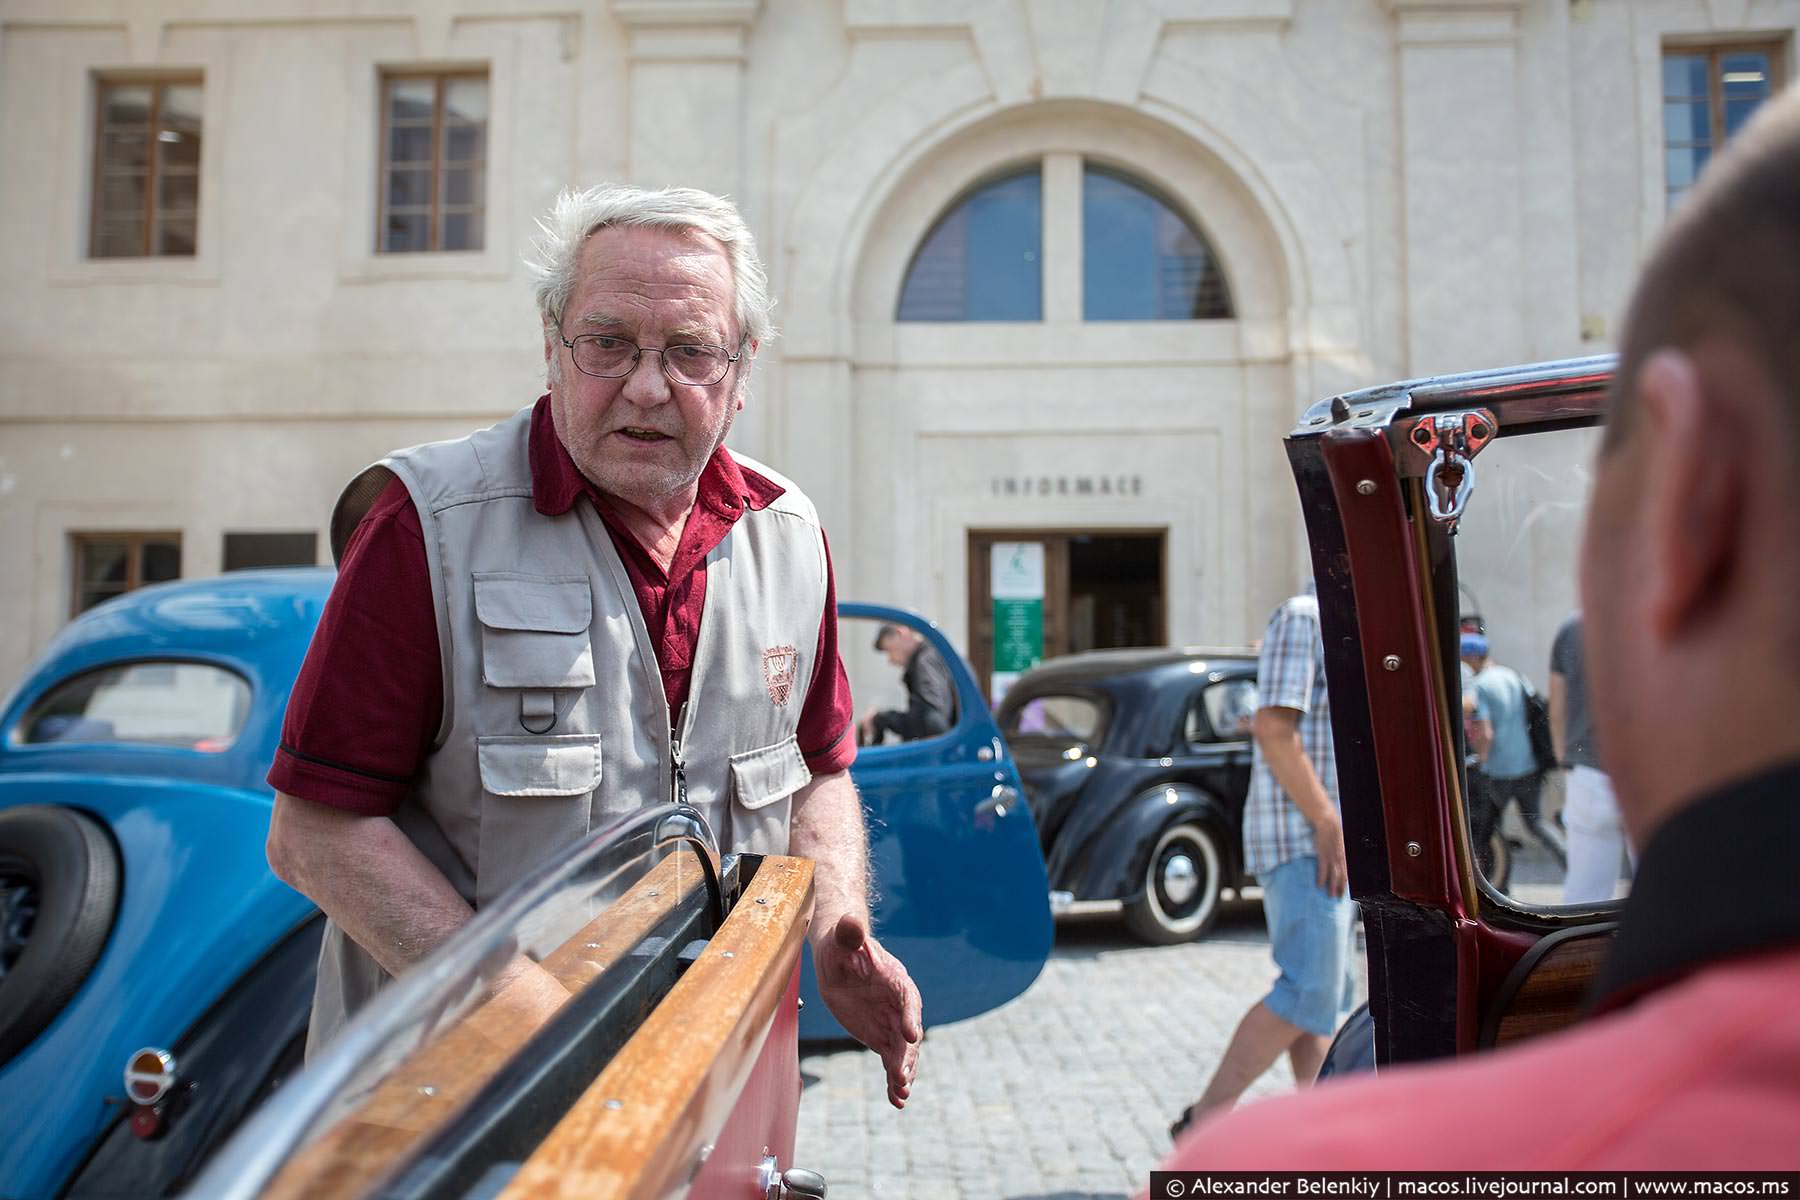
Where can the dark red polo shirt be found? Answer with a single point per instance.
(366, 706)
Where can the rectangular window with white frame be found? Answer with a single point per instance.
(145, 200)
(432, 194)
(1709, 93)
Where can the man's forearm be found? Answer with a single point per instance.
(827, 827)
(1293, 770)
(368, 877)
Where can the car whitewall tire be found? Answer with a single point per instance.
(1183, 876)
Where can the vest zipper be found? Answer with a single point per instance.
(677, 767)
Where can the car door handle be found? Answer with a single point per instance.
(998, 800)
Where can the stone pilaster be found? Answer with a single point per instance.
(686, 102)
(1461, 178)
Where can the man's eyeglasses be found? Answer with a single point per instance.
(607, 357)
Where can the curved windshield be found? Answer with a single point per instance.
(500, 1028)
(1057, 717)
(198, 706)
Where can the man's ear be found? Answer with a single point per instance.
(1695, 491)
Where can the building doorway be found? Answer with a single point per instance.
(1037, 594)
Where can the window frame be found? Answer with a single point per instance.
(440, 79)
(157, 84)
(1103, 712)
(1714, 53)
(999, 176)
(1198, 702)
(13, 739)
(1132, 179)
(135, 541)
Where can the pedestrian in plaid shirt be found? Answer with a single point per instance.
(1294, 845)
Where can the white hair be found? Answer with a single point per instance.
(577, 215)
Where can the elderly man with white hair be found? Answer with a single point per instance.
(594, 576)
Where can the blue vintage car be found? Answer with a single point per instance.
(962, 896)
(155, 977)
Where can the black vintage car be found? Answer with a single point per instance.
(1136, 764)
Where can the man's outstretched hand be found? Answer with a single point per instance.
(873, 998)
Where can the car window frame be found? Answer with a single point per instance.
(12, 743)
(929, 635)
(1102, 699)
(1197, 700)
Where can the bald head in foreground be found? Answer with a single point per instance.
(1690, 583)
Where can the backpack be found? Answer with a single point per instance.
(1537, 728)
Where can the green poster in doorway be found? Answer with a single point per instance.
(1018, 634)
(1017, 575)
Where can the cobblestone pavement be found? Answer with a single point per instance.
(1064, 1094)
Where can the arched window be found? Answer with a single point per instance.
(982, 260)
(1141, 260)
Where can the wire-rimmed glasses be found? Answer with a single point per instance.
(605, 356)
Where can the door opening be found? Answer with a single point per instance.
(1037, 594)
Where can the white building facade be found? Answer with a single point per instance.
(1385, 187)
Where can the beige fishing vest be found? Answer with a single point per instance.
(554, 716)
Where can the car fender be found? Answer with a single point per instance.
(199, 908)
(1353, 1049)
(1115, 864)
(252, 1038)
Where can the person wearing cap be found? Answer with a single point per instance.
(1688, 1057)
(930, 695)
(595, 580)
(1478, 733)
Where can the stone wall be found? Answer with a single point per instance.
(1394, 187)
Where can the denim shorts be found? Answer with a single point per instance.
(1313, 935)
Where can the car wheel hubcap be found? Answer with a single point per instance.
(1183, 879)
(18, 909)
(1179, 879)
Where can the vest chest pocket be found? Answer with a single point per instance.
(535, 630)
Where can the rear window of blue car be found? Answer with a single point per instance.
(196, 706)
(1057, 718)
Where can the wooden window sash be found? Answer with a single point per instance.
(433, 208)
(152, 171)
(1715, 80)
(135, 544)
(151, 132)
(437, 133)
(1714, 96)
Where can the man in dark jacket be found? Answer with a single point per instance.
(930, 696)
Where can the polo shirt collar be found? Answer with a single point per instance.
(1715, 882)
(725, 487)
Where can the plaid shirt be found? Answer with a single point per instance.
(1290, 674)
